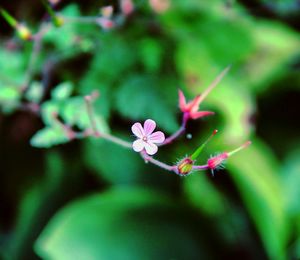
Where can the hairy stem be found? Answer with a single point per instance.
(116, 140)
(160, 164)
(200, 167)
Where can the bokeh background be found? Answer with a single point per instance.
(90, 199)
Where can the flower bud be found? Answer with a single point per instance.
(216, 161)
(23, 32)
(185, 166)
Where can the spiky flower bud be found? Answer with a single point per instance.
(216, 161)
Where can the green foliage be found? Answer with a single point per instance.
(113, 156)
(35, 92)
(137, 69)
(49, 136)
(145, 102)
(84, 229)
(263, 196)
(73, 112)
(9, 98)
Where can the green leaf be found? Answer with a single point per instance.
(49, 136)
(105, 159)
(62, 91)
(254, 171)
(63, 37)
(129, 223)
(9, 94)
(48, 109)
(12, 66)
(74, 112)
(9, 98)
(35, 92)
(138, 98)
(151, 52)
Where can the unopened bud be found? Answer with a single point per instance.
(58, 21)
(23, 32)
(216, 161)
(185, 166)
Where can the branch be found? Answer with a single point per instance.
(162, 165)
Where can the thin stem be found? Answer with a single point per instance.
(69, 132)
(213, 84)
(88, 101)
(37, 43)
(91, 115)
(178, 133)
(116, 140)
(86, 19)
(160, 164)
(200, 167)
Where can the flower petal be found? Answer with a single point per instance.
(182, 102)
(138, 130)
(157, 137)
(138, 145)
(149, 126)
(194, 104)
(150, 148)
(200, 114)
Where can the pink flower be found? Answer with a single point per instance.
(191, 108)
(146, 138)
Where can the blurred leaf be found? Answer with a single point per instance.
(151, 54)
(49, 136)
(12, 65)
(63, 37)
(74, 112)
(35, 92)
(40, 197)
(138, 99)
(122, 223)
(113, 163)
(9, 98)
(48, 109)
(276, 45)
(254, 172)
(62, 91)
(291, 180)
(9, 94)
(203, 194)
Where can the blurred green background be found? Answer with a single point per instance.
(90, 199)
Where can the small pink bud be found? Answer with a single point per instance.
(217, 161)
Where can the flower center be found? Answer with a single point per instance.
(145, 139)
